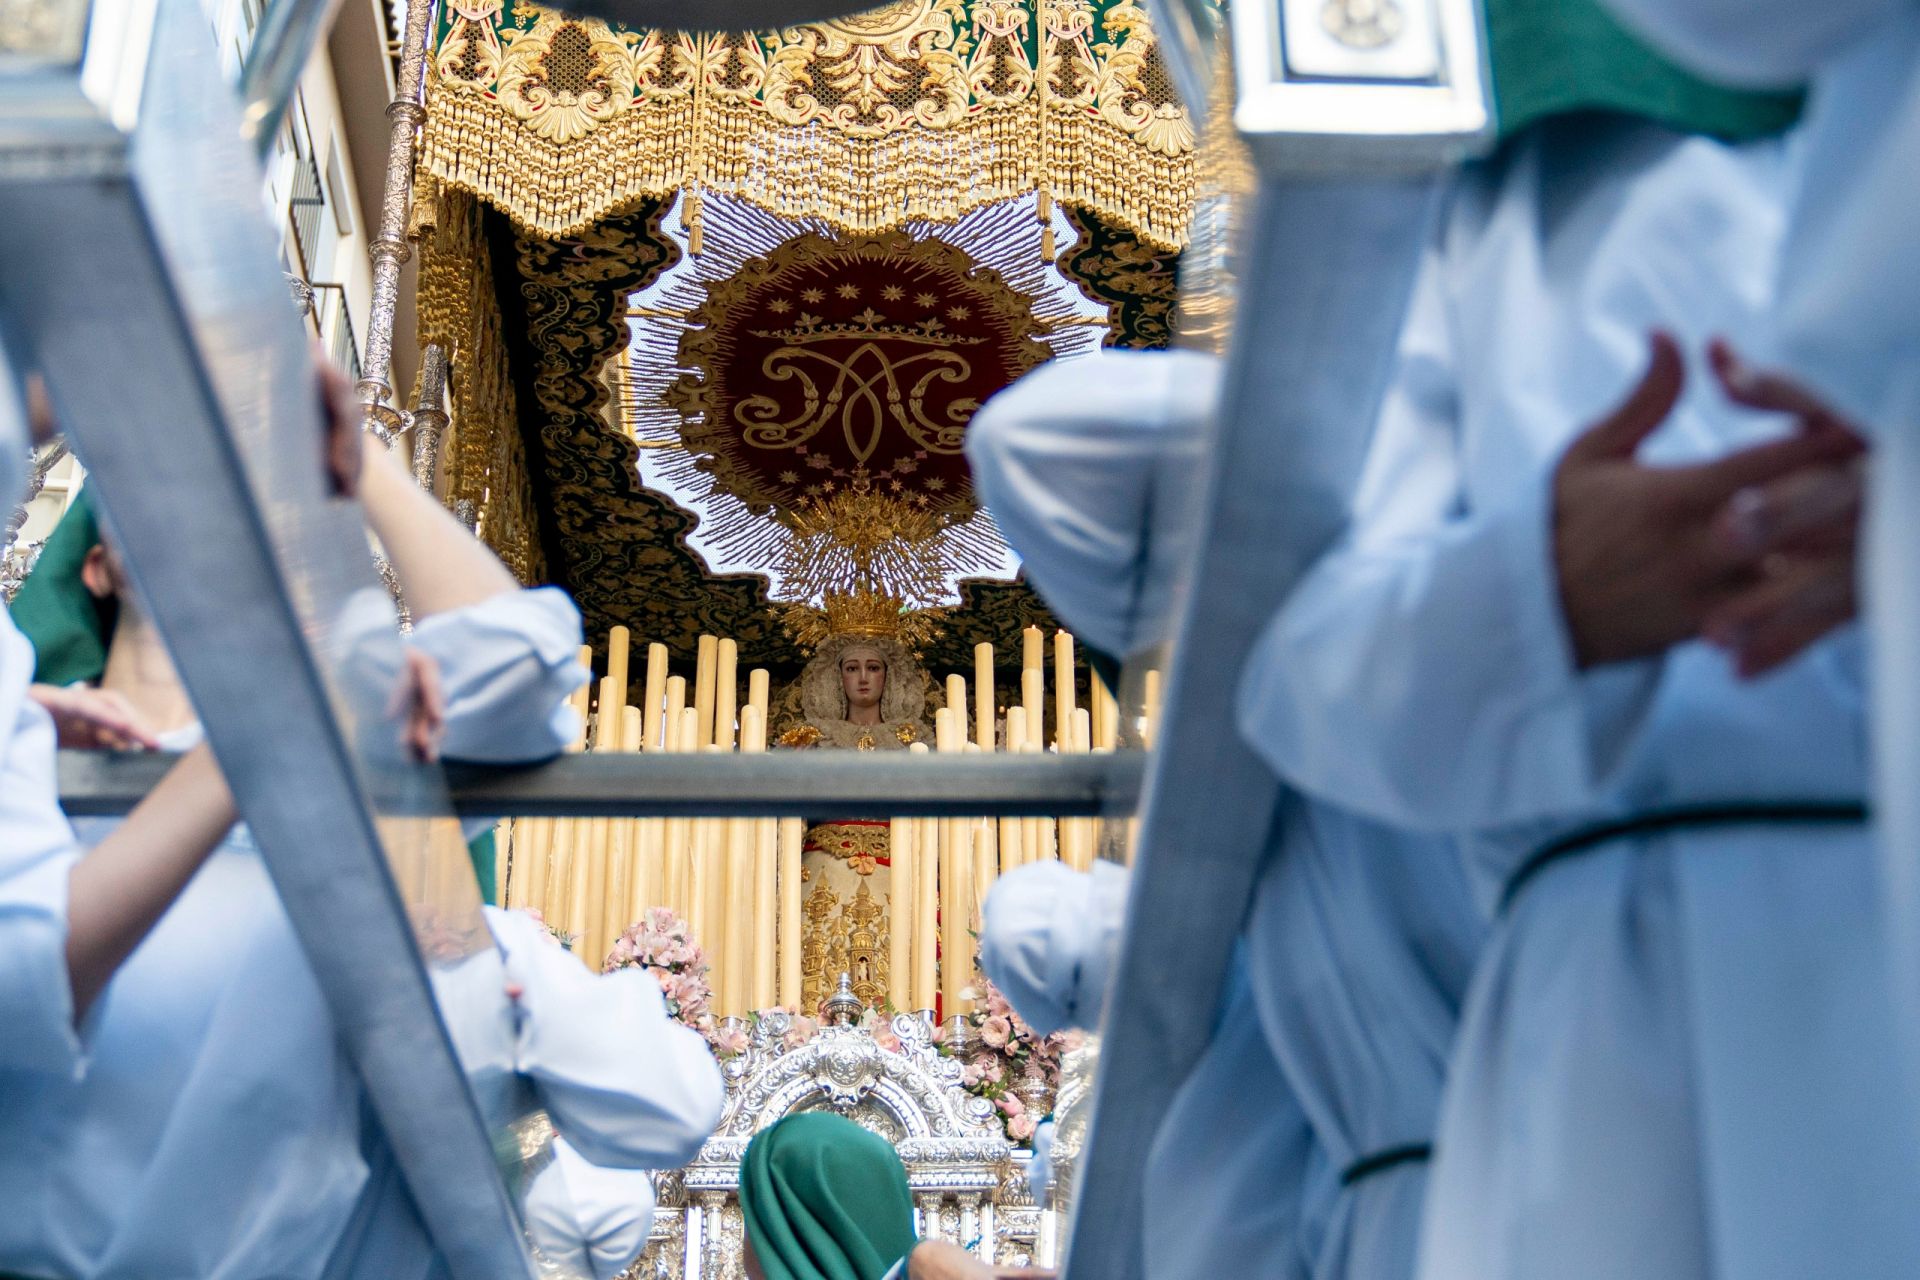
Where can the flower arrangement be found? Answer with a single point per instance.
(732, 1040)
(660, 943)
(1006, 1061)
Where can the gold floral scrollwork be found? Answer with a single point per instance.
(1122, 95)
(919, 110)
(566, 77)
(1000, 71)
(471, 51)
(873, 73)
(860, 845)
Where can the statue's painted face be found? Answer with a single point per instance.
(863, 677)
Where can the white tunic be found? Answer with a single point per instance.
(1230, 1177)
(1676, 1058)
(36, 854)
(1359, 948)
(1228, 1173)
(1362, 938)
(212, 1127)
(1847, 314)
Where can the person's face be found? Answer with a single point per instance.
(863, 678)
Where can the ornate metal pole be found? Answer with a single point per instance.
(390, 249)
(429, 416)
(43, 466)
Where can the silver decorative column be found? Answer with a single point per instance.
(389, 249)
(429, 418)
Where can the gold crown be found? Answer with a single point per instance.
(863, 613)
(874, 615)
(929, 332)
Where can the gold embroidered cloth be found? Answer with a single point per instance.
(919, 110)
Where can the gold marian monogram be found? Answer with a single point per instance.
(863, 387)
(869, 389)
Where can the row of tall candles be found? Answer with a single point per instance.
(737, 881)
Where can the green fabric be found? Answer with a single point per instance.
(485, 855)
(69, 628)
(824, 1200)
(1554, 57)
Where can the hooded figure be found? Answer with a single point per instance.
(1677, 1055)
(824, 1199)
(1295, 1148)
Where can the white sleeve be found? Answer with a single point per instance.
(1048, 938)
(592, 1221)
(1074, 461)
(627, 1085)
(1421, 673)
(507, 665)
(37, 855)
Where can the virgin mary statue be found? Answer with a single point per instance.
(861, 692)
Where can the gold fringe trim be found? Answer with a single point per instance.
(857, 185)
(485, 455)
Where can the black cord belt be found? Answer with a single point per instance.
(1381, 1161)
(1784, 813)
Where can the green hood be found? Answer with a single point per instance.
(825, 1200)
(1556, 57)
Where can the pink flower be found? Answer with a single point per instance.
(996, 1032)
(1010, 1103)
(994, 1072)
(801, 1031)
(886, 1039)
(730, 1041)
(972, 1074)
(1020, 1128)
(684, 990)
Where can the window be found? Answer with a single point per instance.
(336, 188)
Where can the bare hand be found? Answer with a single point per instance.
(340, 415)
(1804, 526)
(421, 702)
(938, 1260)
(89, 719)
(1643, 554)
